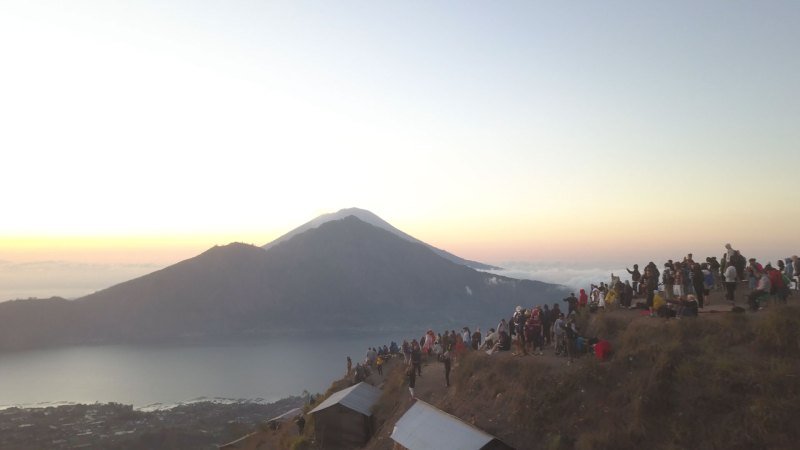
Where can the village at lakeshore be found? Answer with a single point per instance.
(723, 378)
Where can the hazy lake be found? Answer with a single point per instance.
(144, 375)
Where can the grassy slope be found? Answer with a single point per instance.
(722, 380)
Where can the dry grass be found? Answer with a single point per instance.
(725, 381)
(728, 381)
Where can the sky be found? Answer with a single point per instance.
(589, 134)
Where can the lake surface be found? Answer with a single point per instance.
(166, 374)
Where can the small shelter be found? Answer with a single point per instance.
(426, 427)
(344, 420)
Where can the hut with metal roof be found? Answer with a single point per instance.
(344, 420)
(425, 427)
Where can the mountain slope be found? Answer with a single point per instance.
(373, 219)
(344, 275)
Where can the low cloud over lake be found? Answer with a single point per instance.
(44, 279)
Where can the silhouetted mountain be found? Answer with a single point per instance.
(341, 276)
(372, 219)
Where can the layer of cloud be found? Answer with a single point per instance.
(68, 279)
(573, 275)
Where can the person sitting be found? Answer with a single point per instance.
(762, 290)
(687, 307)
(490, 340)
(503, 343)
(778, 286)
(602, 350)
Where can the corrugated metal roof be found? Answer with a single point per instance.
(359, 398)
(426, 427)
(288, 415)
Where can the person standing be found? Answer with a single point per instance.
(349, 366)
(412, 380)
(379, 365)
(730, 284)
(416, 358)
(547, 323)
(476, 338)
(447, 361)
(502, 326)
(698, 279)
(635, 276)
(572, 303)
(754, 270)
(583, 299)
(533, 332)
(651, 284)
(558, 335)
(668, 278)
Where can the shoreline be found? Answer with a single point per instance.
(203, 424)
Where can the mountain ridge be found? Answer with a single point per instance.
(342, 276)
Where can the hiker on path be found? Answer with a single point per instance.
(416, 357)
(447, 361)
(412, 380)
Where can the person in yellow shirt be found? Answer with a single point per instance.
(379, 365)
(658, 303)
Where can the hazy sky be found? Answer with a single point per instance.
(139, 133)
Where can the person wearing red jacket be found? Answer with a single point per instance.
(583, 300)
(602, 350)
(776, 281)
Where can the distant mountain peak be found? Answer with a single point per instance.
(373, 219)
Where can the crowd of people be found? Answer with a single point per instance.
(679, 289)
